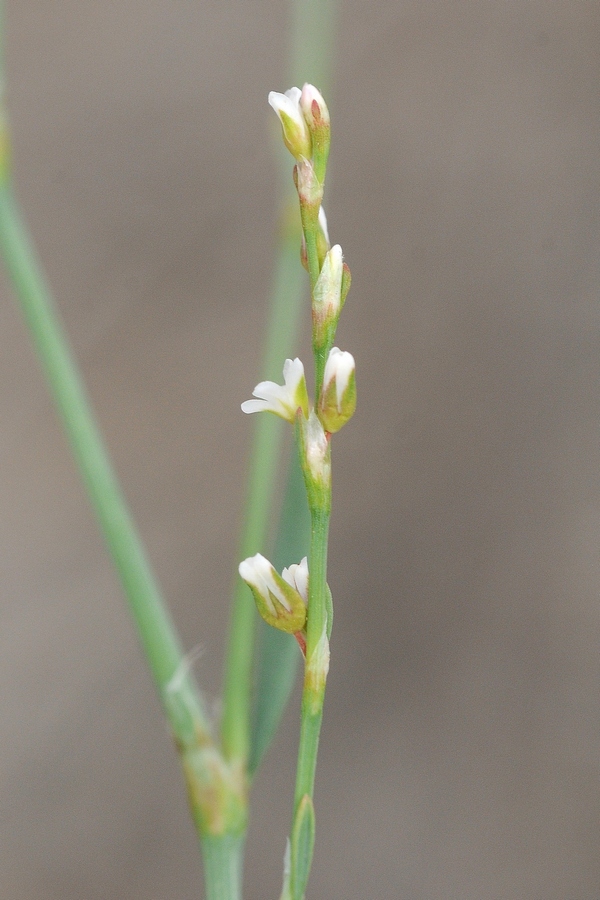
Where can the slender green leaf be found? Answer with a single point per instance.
(302, 845)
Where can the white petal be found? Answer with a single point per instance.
(252, 406)
(257, 572)
(283, 400)
(340, 365)
(302, 578)
(323, 224)
(330, 366)
(269, 391)
(297, 577)
(294, 95)
(288, 103)
(293, 373)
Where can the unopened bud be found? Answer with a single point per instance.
(337, 402)
(296, 134)
(314, 108)
(277, 601)
(310, 189)
(327, 297)
(315, 457)
(316, 116)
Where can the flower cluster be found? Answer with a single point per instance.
(337, 398)
(304, 119)
(282, 600)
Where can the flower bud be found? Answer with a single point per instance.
(310, 189)
(316, 116)
(277, 601)
(338, 394)
(314, 108)
(315, 458)
(296, 135)
(283, 400)
(327, 298)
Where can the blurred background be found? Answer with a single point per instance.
(460, 752)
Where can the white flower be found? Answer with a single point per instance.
(283, 400)
(259, 574)
(337, 401)
(296, 135)
(277, 601)
(339, 367)
(314, 107)
(297, 577)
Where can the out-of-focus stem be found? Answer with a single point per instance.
(157, 632)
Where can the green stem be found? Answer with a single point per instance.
(311, 57)
(217, 797)
(312, 255)
(321, 355)
(318, 578)
(157, 633)
(223, 862)
(313, 695)
(182, 703)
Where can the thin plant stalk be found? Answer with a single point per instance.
(311, 60)
(299, 600)
(158, 636)
(206, 774)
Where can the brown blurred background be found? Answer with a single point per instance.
(460, 753)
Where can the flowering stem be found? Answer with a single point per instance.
(311, 59)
